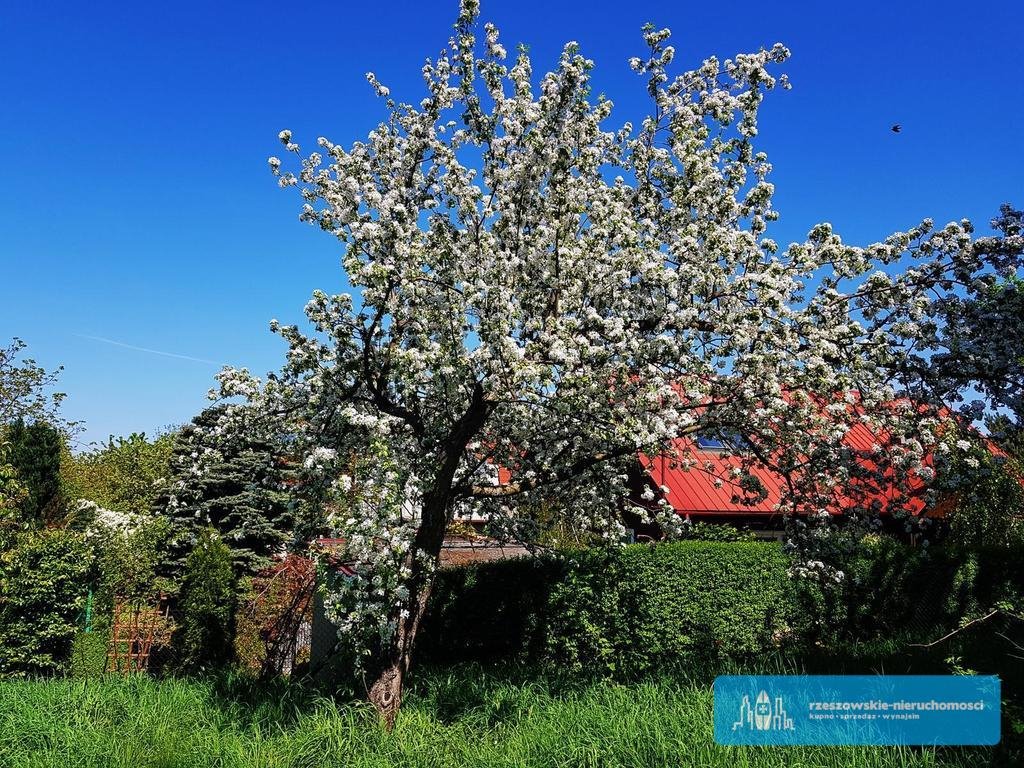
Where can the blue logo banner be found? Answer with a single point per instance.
(856, 709)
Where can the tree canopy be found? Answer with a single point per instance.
(241, 493)
(25, 387)
(126, 474)
(982, 339)
(538, 289)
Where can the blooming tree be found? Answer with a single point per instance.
(539, 291)
(982, 338)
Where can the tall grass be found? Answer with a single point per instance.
(466, 716)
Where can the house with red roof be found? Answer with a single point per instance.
(700, 479)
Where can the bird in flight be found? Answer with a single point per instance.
(896, 128)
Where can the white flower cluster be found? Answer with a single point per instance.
(102, 522)
(370, 570)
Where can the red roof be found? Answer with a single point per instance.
(696, 491)
(711, 484)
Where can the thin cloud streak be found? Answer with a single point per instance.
(146, 349)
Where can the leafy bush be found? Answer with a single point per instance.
(126, 474)
(621, 610)
(43, 583)
(12, 492)
(489, 610)
(646, 606)
(890, 588)
(714, 532)
(632, 609)
(89, 654)
(990, 502)
(207, 606)
(130, 562)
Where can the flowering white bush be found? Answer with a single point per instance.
(102, 523)
(540, 290)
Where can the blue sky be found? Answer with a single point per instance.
(136, 205)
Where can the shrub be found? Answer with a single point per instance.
(130, 561)
(490, 610)
(989, 509)
(714, 532)
(12, 492)
(617, 610)
(125, 474)
(893, 589)
(207, 606)
(632, 609)
(43, 583)
(89, 654)
(647, 606)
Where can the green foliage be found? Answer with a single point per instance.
(989, 510)
(623, 610)
(26, 389)
(89, 654)
(131, 564)
(643, 607)
(12, 492)
(714, 532)
(890, 589)
(44, 578)
(34, 453)
(546, 523)
(240, 494)
(127, 474)
(490, 610)
(629, 610)
(207, 606)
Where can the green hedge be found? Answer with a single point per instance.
(490, 610)
(635, 608)
(892, 589)
(617, 610)
(706, 600)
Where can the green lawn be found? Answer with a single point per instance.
(464, 717)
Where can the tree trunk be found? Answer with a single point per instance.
(387, 676)
(388, 679)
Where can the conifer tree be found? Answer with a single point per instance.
(242, 493)
(34, 455)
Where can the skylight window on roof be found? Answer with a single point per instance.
(706, 443)
(730, 441)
